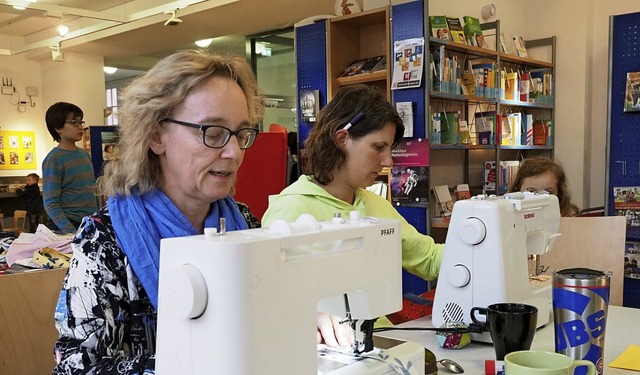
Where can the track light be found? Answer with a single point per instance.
(62, 29)
(204, 43)
(56, 54)
(173, 20)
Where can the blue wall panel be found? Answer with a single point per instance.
(311, 65)
(624, 131)
(407, 23)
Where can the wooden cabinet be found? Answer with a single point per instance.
(354, 37)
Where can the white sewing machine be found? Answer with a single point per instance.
(485, 258)
(245, 302)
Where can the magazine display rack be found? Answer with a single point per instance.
(485, 108)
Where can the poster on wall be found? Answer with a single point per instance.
(410, 186)
(17, 150)
(408, 63)
(632, 94)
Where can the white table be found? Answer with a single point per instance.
(621, 331)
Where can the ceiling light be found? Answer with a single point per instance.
(62, 29)
(18, 7)
(204, 43)
(110, 69)
(173, 20)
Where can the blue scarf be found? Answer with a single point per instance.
(141, 221)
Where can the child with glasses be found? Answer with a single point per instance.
(537, 174)
(67, 172)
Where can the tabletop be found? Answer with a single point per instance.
(621, 331)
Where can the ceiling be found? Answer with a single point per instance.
(131, 34)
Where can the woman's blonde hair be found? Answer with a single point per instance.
(150, 98)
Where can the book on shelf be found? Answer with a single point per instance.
(527, 130)
(439, 27)
(462, 192)
(511, 90)
(524, 86)
(473, 32)
(484, 124)
(465, 134)
(508, 171)
(455, 30)
(362, 66)
(542, 132)
(503, 44)
(443, 200)
(450, 132)
(521, 49)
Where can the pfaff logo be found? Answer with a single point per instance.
(574, 333)
(529, 216)
(387, 232)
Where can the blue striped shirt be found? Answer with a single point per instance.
(68, 187)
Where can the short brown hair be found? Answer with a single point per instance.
(350, 101)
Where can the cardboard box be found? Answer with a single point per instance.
(26, 321)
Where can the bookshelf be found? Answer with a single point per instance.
(354, 37)
(455, 163)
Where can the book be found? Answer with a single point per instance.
(484, 123)
(503, 44)
(455, 30)
(363, 66)
(521, 49)
(511, 90)
(439, 27)
(473, 32)
(462, 192)
(524, 86)
(465, 134)
(450, 132)
(508, 171)
(443, 199)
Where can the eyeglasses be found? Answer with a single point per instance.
(75, 123)
(218, 136)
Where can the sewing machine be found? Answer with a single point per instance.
(245, 302)
(486, 251)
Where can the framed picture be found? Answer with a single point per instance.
(632, 93)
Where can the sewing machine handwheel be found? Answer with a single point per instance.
(472, 231)
(189, 291)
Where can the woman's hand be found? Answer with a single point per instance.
(332, 332)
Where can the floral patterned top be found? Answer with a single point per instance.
(109, 326)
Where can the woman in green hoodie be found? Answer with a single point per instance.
(347, 148)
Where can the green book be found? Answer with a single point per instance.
(439, 27)
(450, 132)
(473, 32)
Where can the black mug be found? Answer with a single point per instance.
(512, 326)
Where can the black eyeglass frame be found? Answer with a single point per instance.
(203, 129)
(76, 123)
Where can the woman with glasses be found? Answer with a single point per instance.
(184, 127)
(347, 148)
(68, 182)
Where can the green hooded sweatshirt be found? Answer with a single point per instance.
(421, 256)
